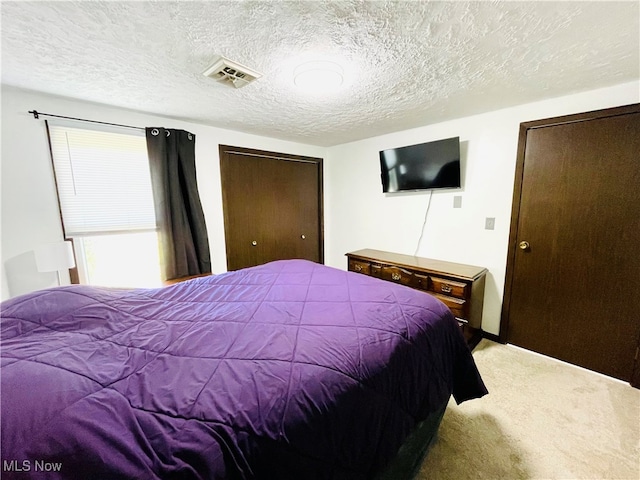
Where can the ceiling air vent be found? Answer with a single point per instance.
(231, 73)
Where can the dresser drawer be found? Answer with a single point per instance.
(456, 305)
(420, 281)
(448, 287)
(460, 287)
(359, 266)
(396, 274)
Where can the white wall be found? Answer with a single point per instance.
(358, 215)
(29, 211)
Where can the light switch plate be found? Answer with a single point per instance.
(489, 223)
(457, 201)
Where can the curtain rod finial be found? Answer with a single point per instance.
(35, 114)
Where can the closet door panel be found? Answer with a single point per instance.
(272, 207)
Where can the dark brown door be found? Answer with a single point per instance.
(635, 376)
(272, 206)
(573, 278)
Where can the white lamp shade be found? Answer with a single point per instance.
(53, 257)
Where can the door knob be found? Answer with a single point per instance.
(254, 243)
(524, 245)
(303, 236)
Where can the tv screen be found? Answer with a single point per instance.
(421, 167)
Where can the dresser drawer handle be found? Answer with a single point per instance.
(446, 288)
(358, 268)
(396, 276)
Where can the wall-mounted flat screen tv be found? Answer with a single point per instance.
(424, 166)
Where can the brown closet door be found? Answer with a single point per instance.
(575, 283)
(272, 206)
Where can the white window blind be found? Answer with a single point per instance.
(103, 178)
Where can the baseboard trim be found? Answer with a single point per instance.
(491, 336)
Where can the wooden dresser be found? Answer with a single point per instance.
(459, 286)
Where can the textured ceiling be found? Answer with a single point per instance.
(406, 64)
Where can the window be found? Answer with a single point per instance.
(106, 202)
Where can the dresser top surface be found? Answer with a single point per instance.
(410, 261)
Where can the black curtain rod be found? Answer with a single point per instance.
(36, 114)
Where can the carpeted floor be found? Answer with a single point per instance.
(542, 419)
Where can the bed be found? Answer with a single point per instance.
(287, 370)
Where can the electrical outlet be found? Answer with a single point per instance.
(457, 201)
(489, 223)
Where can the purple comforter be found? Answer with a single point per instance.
(286, 370)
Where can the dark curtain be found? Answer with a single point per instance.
(184, 246)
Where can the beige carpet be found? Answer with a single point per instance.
(542, 419)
